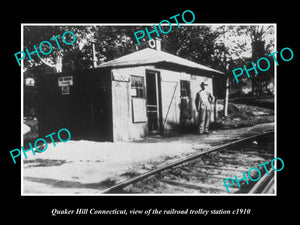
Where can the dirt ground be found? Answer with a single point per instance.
(87, 167)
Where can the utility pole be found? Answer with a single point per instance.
(94, 53)
(227, 78)
(226, 94)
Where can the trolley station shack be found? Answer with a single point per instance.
(143, 93)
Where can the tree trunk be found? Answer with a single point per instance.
(58, 64)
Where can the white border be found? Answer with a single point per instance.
(22, 109)
(148, 24)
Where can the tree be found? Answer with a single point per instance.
(191, 42)
(262, 43)
(110, 42)
(115, 41)
(34, 35)
(237, 46)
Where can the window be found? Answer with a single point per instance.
(186, 103)
(137, 87)
(185, 90)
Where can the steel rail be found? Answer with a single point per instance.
(264, 184)
(269, 189)
(119, 186)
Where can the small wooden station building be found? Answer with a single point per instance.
(143, 93)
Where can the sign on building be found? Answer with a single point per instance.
(65, 81)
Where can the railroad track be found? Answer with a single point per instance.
(204, 173)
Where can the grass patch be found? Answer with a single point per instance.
(242, 115)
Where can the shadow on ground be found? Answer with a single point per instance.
(44, 162)
(72, 184)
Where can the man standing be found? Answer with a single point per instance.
(203, 105)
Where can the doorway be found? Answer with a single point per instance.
(154, 112)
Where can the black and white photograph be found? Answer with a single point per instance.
(150, 109)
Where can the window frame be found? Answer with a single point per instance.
(140, 88)
(185, 88)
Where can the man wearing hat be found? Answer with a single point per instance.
(203, 105)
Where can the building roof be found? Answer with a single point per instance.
(151, 56)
